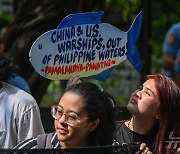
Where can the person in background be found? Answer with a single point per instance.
(84, 117)
(20, 82)
(155, 115)
(171, 53)
(20, 117)
(16, 80)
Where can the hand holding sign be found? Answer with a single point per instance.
(83, 46)
(73, 80)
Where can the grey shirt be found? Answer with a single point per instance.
(19, 116)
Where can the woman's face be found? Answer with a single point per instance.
(77, 134)
(144, 102)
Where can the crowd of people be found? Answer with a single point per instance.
(85, 114)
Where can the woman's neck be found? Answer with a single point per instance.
(141, 126)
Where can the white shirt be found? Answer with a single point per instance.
(19, 116)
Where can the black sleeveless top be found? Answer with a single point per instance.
(124, 135)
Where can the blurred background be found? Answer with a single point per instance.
(22, 21)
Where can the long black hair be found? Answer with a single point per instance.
(7, 67)
(98, 105)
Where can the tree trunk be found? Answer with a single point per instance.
(33, 18)
(146, 36)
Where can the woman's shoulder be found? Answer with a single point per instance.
(121, 133)
(42, 141)
(120, 124)
(27, 144)
(121, 128)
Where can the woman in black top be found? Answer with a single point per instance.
(155, 115)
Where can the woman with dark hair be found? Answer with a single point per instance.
(84, 117)
(155, 109)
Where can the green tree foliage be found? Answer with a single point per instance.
(160, 15)
(126, 8)
(4, 20)
(163, 14)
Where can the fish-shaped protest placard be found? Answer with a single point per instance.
(84, 46)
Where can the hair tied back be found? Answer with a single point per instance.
(112, 102)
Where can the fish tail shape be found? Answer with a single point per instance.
(133, 34)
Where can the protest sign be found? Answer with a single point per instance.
(84, 46)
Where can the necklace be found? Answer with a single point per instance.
(129, 131)
(129, 124)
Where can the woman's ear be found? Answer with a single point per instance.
(93, 125)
